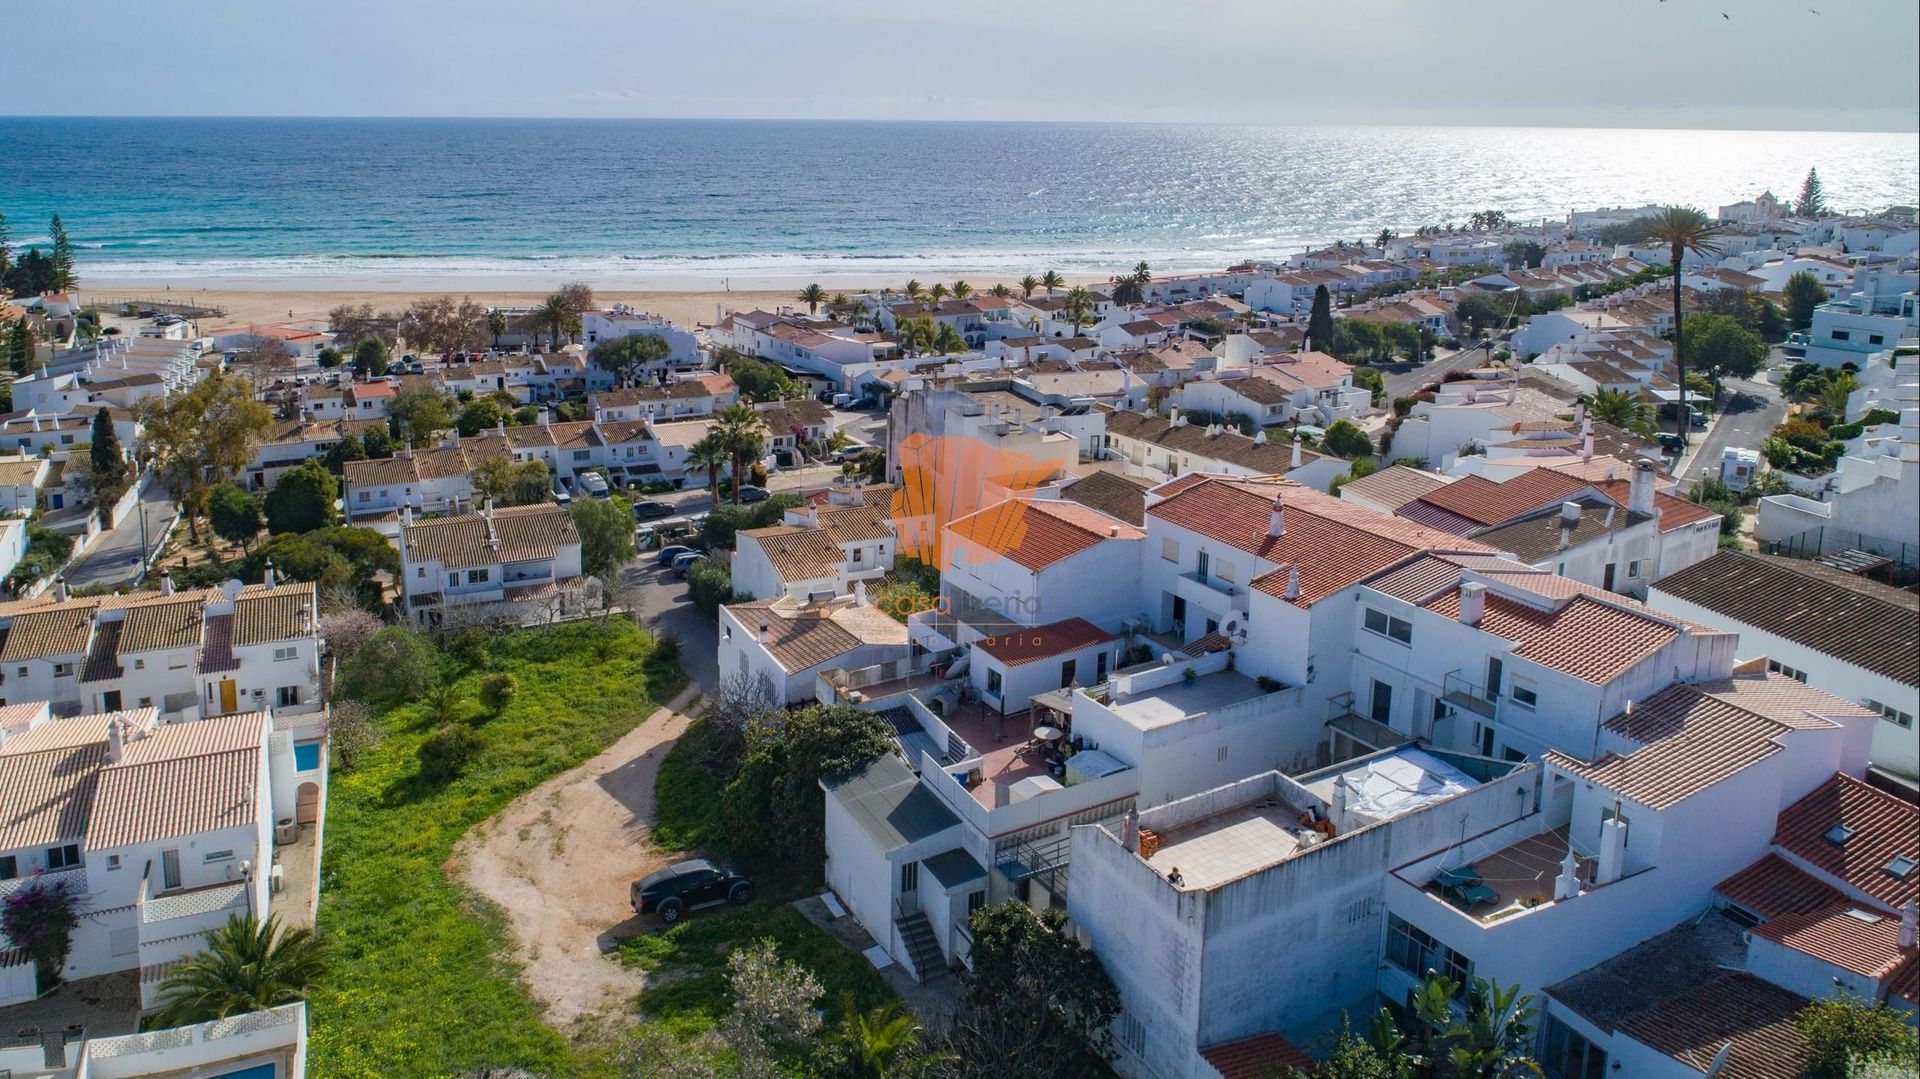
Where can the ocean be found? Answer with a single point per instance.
(676, 203)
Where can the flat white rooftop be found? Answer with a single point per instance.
(1231, 844)
(1172, 703)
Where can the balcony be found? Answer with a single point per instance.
(1210, 593)
(1461, 693)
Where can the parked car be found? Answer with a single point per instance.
(648, 509)
(686, 886)
(749, 493)
(1671, 409)
(1670, 444)
(591, 484)
(849, 452)
(668, 554)
(685, 562)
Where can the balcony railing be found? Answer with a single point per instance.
(1456, 690)
(1215, 583)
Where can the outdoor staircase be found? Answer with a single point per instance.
(923, 951)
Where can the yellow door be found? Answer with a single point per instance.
(229, 696)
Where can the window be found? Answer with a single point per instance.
(1524, 694)
(1570, 1056)
(1904, 719)
(63, 857)
(726, 633)
(1635, 568)
(62, 670)
(113, 861)
(1791, 672)
(213, 856)
(1169, 550)
(282, 654)
(581, 455)
(1842, 335)
(453, 579)
(478, 576)
(993, 682)
(975, 900)
(1876, 339)
(1223, 569)
(1381, 706)
(1415, 952)
(1384, 624)
(139, 664)
(9, 867)
(1900, 866)
(1133, 1034)
(306, 756)
(419, 571)
(287, 697)
(909, 877)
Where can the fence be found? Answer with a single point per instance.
(1828, 539)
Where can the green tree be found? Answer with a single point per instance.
(627, 357)
(418, 413)
(606, 534)
(556, 318)
(197, 438)
(531, 483)
(880, 1042)
(247, 966)
(1722, 348)
(813, 296)
(370, 358)
(235, 514)
(20, 346)
(448, 750)
(1623, 410)
(329, 358)
(1683, 230)
(1036, 1002)
(1345, 439)
(1495, 1037)
(105, 455)
(782, 764)
(757, 379)
(1051, 280)
(710, 454)
(394, 665)
(480, 414)
(1027, 285)
(1845, 1034)
(1078, 308)
(6, 252)
(1813, 200)
(740, 428)
(496, 324)
(1320, 321)
(1524, 253)
(1804, 292)
(64, 278)
(302, 500)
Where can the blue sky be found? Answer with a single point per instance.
(1629, 63)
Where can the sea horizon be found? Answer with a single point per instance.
(450, 203)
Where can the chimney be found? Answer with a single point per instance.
(116, 741)
(268, 575)
(1339, 800)
(1909, 924)
(1613, 849)
(1586, 447)
(60, 589)
(1130, 831)
(1567, 884)
(166, 582)
(1296, 451)
(1569, 514)
(486, 509)
(860, 592)
(1640, 488)
(1473, 602)
(1177, 419)
(1277, 522)
(1260, 437)
(1293, 581)
(763, 633)
(546, 416)
(456, 438)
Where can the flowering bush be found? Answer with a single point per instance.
(40, 919)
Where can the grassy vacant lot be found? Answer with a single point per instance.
(686, 806)
(420, 984)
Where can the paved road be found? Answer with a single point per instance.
(1409, 380)
(697, 500)
(665, 607)
(1751, 411)
(116, 558)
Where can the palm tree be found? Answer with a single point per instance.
(813, 296)
(1051, 280)
(248, 965)
(1142, 273)
(1386, 237)
(914, 291)
(1001, 290)
(711, 453)
(880, 1039)
(949, 340)
(556, 316)
(937, 293)
(839, 300)
(962, 290)
(1493, 1040)
(1623, 410)
(496, 324)
(1079, 307)
(1685, 231)
(739, 428)
(1027, 285)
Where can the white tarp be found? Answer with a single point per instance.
(1403, 782)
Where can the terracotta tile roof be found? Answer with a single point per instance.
(1120, 497)
(1881, 827)
(163, 625)
(1262, 458)
(1394, 486)
(1419, 579)
(381, 472)
(523, 533)
(1686, 738)
(61, 630)
(274, 614)
(1862, 622)
(800, 636)
(1773, 886)
(1334, 543)
(1036, 533)
(1043, 642)
(1847, 935)
(74, 731)
(103, 655)
(857, 524)
(1484, 502)
(1591, 638)
(216, 655)
(1536, 537)
(1673, 512)
(797, 554)
(1753, 1016)
(45, 796)
(181, 779)
(1259, 1057)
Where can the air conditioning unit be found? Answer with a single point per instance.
(285, 831)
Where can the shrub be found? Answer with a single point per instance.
(1843, 431)
(1876, 417)
(498, 690)
(1844, 1034)
(346, 630)
(1402, 406)
(446, 752)
(708, 586)
(40, 919)
(351, 733)
(781, 766)
(1803, 433)
(394, 665)
(1345, 439)
(666, 648)
(469, 645)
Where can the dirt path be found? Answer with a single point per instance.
(558, 861)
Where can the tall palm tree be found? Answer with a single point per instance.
(1051, 280)
(1142, 273)
(1079, 307)
(937, 293)
(914, 290)
(739, 427)
(1684, 230)
(496, 324)
(247, 965)
(949, 340)
(1623, 410)
(1386, 237)
(711, 453)
(962, 290)
(813, 296)
(555, 316)
(1001, 290)
(1028, 284)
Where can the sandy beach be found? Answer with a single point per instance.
(250, 304)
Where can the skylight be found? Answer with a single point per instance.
(1866, 916)
(1839, 834)
(1899, 866)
